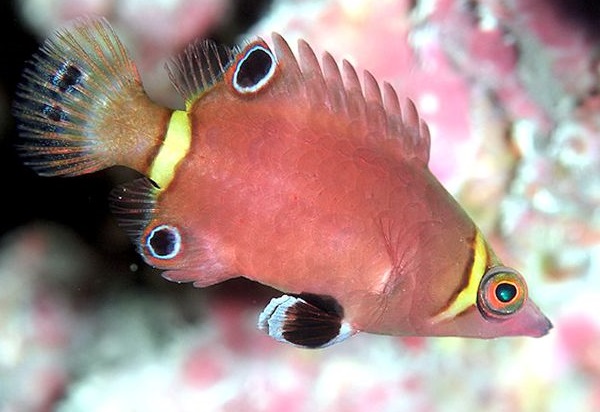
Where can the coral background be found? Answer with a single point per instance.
(510, 91)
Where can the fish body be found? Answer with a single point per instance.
(283, 170)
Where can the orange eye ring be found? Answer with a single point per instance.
(502, 292)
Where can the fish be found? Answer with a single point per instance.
(282, 168)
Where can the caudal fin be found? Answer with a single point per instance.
(81, 106)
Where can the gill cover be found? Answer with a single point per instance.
(492, 302)
(497, 291)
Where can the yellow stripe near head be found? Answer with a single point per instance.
(468, 296)
(174, 148)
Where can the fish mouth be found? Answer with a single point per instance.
(532, 321)
(542, 328)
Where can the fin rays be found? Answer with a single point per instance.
(201, 65)
(323, 84)
(67, 87)
(339, 90)
(133, 204)
(307, 320)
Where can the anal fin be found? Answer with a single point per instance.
(308, 321)
(200, 279)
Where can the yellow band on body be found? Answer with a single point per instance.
(468, 296)
(174, 148)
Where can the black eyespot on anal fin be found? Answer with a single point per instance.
(309, 321)
(163, 242)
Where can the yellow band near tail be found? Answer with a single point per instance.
(468, 296)
(174, 148)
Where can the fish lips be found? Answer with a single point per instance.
(530, 321)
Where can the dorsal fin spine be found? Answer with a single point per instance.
(324, 84)
(199, 67)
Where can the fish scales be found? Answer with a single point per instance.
(285, 170)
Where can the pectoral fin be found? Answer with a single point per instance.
(307, 320)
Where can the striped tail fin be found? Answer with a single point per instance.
(81, 106)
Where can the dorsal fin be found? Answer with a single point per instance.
(322, 85)
(198, 67)
(326, 86)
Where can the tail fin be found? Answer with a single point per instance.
(81, 106)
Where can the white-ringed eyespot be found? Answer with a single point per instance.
(163, 242)
(254, 69)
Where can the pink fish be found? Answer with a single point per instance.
(279, 169)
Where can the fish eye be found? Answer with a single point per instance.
(502, 292)
(163, 242)
(254, 70)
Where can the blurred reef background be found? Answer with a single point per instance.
(510, 89)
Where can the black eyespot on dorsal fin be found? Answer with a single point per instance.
(253, 69)
(201, 65)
